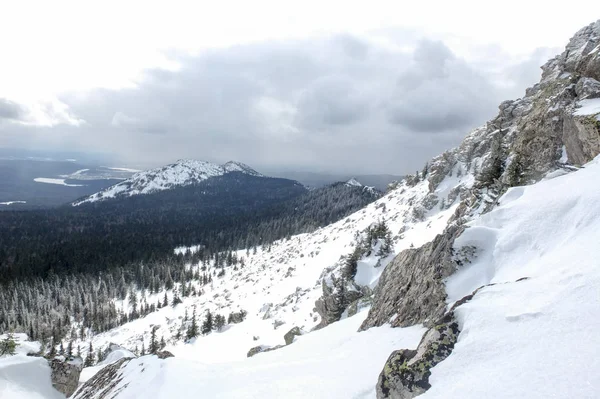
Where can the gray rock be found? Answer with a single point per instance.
(587, 88)
(164, 354)
(101, 384)
(411, 288)
(290, 335)
(406, 372)
(262, 348)
(65, 374)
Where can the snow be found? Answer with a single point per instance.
(49, 180)
(25, 377)
(336, 362)
(13, 202)
(534, 338)
(588, 107)
(353, 182)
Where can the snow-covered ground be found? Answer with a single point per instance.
(278, 286)
(535, 338)
(336, 362)
(25, 377)
(49, 180)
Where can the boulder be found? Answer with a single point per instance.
(164, 354)
(290, 335)
(65, 374)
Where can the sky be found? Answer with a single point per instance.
(319, 86)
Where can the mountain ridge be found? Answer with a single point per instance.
(181, 173)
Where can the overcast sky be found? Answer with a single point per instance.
(337, 86)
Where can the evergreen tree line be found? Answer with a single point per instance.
(226, 214)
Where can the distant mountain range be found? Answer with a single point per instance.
(315, 180)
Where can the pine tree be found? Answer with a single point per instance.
(207, 326)
(143, 353)
(153, 342)
(8, 345)
(89, 359)
(192, 331)
(163, 344)
(219, 322)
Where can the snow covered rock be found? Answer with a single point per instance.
(65, 374)
(103, 382)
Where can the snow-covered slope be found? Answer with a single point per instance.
(336, 362)
(25, 377)
(181, 173)
(279, 284)
(514, 335)
(535, 338)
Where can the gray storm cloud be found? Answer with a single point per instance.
(10, 110)
(338, 104)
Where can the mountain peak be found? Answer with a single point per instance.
(181, 173)
(235, 166)
(354, 182)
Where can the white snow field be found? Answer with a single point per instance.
(25, 377)
(336, 362)
(536, 338)
(60, 182)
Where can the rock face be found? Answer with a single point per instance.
(411, 289)
(103, 382)
(65, 374)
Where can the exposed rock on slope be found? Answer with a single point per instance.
(529, 138)
(65, 374)
(557, 124)
(412, 285)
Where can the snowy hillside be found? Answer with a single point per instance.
(545, 233)
(279, 284)
(181, 173)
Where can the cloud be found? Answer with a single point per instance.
(341, 103)
(439, 92)
(10, 110)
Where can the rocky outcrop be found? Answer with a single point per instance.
(103, 383)
(335, 299)
(291, 335)
(65, 374)
(262, 348)
(411, 289)
(164, 354)
(406, 372)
